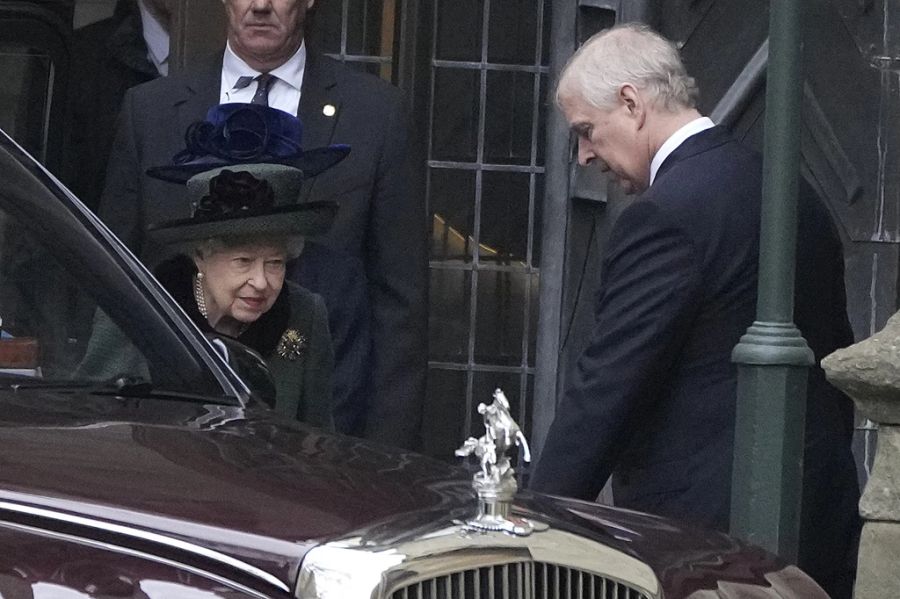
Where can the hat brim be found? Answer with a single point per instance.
(307, 219)
(311, 162)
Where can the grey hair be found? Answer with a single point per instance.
(629, 53)
(292, 245)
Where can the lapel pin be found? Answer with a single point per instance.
(329, 110)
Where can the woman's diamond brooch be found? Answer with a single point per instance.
(292, 344)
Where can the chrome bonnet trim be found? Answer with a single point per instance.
(354, 569)
(111, 547)
(145, 535)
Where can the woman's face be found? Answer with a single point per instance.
(241, 283)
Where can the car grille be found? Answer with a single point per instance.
(520, 580)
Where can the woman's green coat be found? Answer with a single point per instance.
(303, 385)
(302, 366)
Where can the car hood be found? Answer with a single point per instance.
(241, 481)
(257, 488)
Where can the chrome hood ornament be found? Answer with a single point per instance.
(496, 484)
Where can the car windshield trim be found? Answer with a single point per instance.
(228, 384)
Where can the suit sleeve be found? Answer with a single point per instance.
(120, 205)
(341, 281)
(319, 370)
(350, 332)
(643, 311)
(396, 263)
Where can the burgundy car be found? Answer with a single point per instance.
(155, 471)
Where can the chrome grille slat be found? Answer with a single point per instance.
(519, 580)
(555, 582)
(529, 580)
(504, 580)
(520, 573)
(543, 580)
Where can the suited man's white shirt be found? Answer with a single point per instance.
(675, 140)
(157, 39)
(284, 93)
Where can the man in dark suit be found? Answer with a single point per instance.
(652, 401)
(111, 56)
(379, 224)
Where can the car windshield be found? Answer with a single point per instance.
(72, 314)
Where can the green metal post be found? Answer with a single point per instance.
(772, 357)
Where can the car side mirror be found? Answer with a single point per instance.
(249, 365)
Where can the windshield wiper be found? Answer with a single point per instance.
(121, 386)
(126, 386)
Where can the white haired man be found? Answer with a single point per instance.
(652, 401)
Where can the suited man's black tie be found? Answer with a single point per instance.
(263, 85)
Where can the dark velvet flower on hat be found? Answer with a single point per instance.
(233, 194)
(236, 133)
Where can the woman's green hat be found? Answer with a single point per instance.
(246, 200)
(244, 167)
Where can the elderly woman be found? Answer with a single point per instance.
(244, 168)
(229, 277)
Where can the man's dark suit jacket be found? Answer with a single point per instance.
(110, 57)
(652, 401)
(378, 222)
(339, 279)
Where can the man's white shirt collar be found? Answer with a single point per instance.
(675, 140)
(284, 94)
(157, 39)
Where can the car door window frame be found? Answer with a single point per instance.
(123, 287)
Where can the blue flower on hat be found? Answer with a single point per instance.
(234, 134)
(243, 133)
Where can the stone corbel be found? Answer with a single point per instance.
(869, 372)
